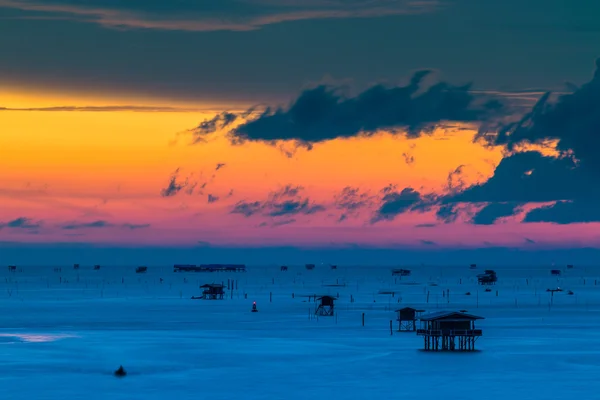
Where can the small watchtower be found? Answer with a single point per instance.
(325, 307)
(407, 319)
(213, 291)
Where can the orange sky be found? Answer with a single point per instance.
(78, 167)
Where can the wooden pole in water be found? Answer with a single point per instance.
(270, 297)
(391, 330)
(363, 319)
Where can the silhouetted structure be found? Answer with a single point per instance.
(96, 267)
(12, 268)
(283, 268)
(440, 331)
(310, 266)
(141, 270)
(213, 291)
(120, 372)
(487, 278)
(209, 268)
(401, 272)
(333, 266)
(254, 309)
(473, 266)
(569, 266)
(325, 306)
(75, 266)
(407, 319)
(555, 272)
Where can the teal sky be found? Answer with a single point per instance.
(258, 50)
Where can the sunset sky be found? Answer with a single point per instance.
(331, 124)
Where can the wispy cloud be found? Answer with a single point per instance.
(124, 108)
(21, 223)
(192, 184)
(210, 15)
(100, 224)
(285, 202)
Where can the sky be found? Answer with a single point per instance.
(382, 129)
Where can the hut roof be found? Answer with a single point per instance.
(450, 316)
(409, 308)
(327, 297)
(212, 285)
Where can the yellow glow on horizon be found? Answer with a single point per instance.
(113, 164)
(35, 97)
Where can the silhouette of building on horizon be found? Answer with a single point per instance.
(449, 331)
(407, 319)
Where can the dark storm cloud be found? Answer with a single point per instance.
(528, 177)
(428, 242)
(566, 212)
(100, 224)
(286, 202)
(573, 120)
(21, 223)
(210, 15)
(396, 202)
(569, 180)
(323, 113)
(489, 214)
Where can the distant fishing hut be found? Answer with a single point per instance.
(487, 278)
(555, 272)
(326, 306)
(401, 272)
(75, 266)
(213, 291)
(12, 268)
(407, 319)
(333, 266)
(96, 267)
(141, 270)
(310, 266)
(440, 331)
(283, 268)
